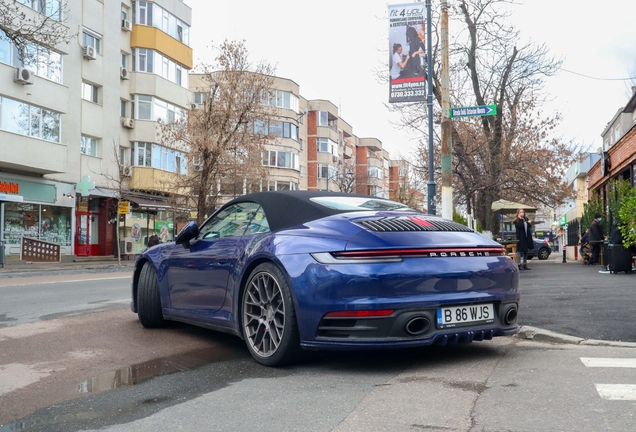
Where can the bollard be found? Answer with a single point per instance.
(2, 261)
(564, 250)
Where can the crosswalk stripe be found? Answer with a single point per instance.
(609, 362)
(626, 392)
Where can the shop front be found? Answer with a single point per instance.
(147, 216)
(38, 209)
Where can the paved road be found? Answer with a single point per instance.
(38, 298)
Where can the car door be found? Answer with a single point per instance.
(198, 274)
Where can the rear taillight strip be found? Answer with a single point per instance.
(397, 255)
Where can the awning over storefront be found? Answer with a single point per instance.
(100, 192)
(148, 204)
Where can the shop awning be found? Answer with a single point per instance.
(148, 203)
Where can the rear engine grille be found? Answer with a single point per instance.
(404, 223)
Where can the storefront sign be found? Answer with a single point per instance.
(30, 191)
(9, 187)
(11, 198)
(124, 207)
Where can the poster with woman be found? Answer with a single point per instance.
(407, 61)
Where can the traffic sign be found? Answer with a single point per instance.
(124, 207)
(476, 111)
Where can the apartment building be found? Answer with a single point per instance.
(78, 125)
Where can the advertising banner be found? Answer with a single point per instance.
(407, 53)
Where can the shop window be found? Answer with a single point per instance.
(48, 223)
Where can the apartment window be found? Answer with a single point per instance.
(327, 171)
(142, 154)
(122, 108)
(199, 98)
(38, 59)
(122, 155)
(301, 142)
(88, 146)
(281, 99)
(124, 60)
(324, 119)
(375, 172)
(90, 38)
(90, 92)
(151, 108)
(30, 120)
(143, 60)
(617, 133)
(50, 8)
(327, 145)
(151, 14)
(281, 159)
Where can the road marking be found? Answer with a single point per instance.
(626, 392)
(609, 362)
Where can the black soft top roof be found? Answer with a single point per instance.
(286, 209)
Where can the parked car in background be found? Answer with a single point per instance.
(542, 250)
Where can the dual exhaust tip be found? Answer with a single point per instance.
(420, 324)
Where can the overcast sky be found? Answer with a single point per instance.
(332, 49)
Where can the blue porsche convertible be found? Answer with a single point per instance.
(294, 270)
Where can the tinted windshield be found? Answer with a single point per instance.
(360, 204)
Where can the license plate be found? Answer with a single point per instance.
(459, 316)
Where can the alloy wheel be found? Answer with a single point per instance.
(263, 314)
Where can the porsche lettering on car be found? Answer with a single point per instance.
(292, 271)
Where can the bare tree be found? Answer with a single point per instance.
(224, 137)
(41, 24)
(512, 155)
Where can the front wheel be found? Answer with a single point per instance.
(269, 318)
(148, 299)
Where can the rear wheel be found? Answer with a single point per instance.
(544, 253)
(269, 318)
(148, 298)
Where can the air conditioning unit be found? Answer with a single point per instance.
(194, 106)
(334, 158)
(126, 171)
(90, 53)
(128, 246)
(126, 25)
(123, 73)
(128, 122)
(198, 167)
(23, 76)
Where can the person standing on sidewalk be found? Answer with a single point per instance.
(523, 229)
(595, 239)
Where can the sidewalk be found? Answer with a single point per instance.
(17, 266)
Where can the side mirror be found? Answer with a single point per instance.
(187, 233)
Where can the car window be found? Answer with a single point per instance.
(258, 222)
(232, 221)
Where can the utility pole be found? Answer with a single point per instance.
(447, 149)
(429, 101)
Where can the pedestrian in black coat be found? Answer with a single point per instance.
(595, 239)
(523, 229)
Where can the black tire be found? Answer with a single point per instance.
(268, 318)
(544, 253)
(148, 299)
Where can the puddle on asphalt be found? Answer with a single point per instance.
(138, 373)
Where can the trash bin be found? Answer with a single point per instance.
(2, 261)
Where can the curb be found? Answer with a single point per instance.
(541, 335)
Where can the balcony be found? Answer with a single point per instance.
(26, 154)
(153, 179)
